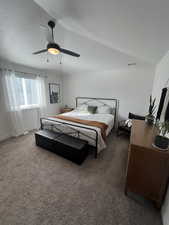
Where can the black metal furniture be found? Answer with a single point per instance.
(123, 128)
(73, 129)
(64, 145)
(111, 102)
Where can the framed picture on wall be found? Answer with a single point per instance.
(54, 93)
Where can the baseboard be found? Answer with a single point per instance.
(5, 137)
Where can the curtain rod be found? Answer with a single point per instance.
(16, 71)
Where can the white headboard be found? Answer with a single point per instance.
(111, 102)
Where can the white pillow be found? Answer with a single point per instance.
(82, 108)
(104, 110)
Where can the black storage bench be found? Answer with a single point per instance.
(64, 145)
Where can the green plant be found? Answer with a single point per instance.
(163, 128)
(152, 106)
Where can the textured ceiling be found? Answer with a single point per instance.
(108, 34)
(138, 28)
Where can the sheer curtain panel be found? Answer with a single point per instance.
(24, 96)
(12, 101)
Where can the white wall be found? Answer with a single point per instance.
(31, 115)
(132, 87)
(161, 77)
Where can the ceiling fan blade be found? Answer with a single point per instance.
(39, 52)
(69, 52)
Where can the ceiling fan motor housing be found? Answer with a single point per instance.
(53, 45)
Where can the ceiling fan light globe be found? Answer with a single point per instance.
(53, 51)
(53, 48)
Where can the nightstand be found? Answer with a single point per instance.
(64, 110)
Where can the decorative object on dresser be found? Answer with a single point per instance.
(161, 141)
(150, 117)
(147, 168)
(66, 109)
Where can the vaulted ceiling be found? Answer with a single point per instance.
(108, 34)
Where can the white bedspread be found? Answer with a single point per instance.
(84, 133)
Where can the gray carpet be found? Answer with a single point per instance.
(40, 188)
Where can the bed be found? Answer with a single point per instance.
(83, 124)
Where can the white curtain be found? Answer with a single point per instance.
(11, 102)
(41, 98)
(14, 97)
(41, 95)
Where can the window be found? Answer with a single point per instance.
(19, 91)
(26, 92)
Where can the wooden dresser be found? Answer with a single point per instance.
(147, 168)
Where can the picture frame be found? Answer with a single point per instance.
(54, 93)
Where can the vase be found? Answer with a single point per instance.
(161, 142)
(149, 119)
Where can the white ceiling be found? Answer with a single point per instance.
(108, 34)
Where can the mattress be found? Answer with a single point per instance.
(88, 135)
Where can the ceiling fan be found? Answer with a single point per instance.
(53, 48)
